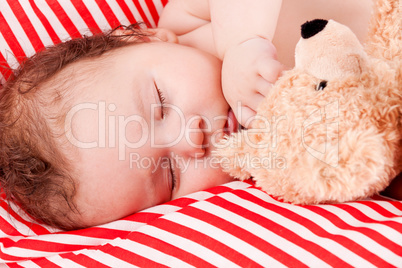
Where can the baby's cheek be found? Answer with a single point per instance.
(201, 175)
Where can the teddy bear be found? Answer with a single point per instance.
(330, 130)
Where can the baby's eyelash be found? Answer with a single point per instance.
(172, 173)
(162, 100)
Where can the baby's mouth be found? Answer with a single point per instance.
(231, 124)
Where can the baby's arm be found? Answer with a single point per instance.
(185, 16)
(243, 31)
(240, 32)
(236, 21)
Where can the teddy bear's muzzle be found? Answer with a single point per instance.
(311, 28)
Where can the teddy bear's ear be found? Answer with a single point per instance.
(311, 28)
(329, 50)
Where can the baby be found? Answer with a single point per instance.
(98, 128)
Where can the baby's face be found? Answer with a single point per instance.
(145, 130)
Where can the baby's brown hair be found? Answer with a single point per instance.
(34, 172)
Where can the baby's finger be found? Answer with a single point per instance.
(254, 100)
(270, 69)
(245, 115)
(263, 86)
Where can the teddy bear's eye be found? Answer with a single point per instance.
(321, 85)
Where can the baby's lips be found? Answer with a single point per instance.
(231, 125)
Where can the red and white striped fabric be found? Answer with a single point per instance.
(27, 26)
(234, 225)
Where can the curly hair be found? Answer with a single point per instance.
(34, 173)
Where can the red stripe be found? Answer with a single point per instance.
(381, 210)
(45, 22)
(7, 228)
(99, 232)
(83, 260)
(347, 243)
(198, 237)
(143, 217)
(152, 10)
(11, 40)
(357, 214)
(373, 234)
(63, 18)
(142, 13)
(86, 16)
(43, 262)
(26, 24)
(47, 246)
(164, 2)
(108, 13)
(182, 202)
(129, 256)
(11, 258)
(253, 239)
(126, 10)
(13, 264)
(5, 68)
(219, 190)
(36, 228)
(169, 249)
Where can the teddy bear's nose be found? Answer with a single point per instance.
(311, 28)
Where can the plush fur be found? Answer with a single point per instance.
(331, 128)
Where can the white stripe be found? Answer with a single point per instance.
(28, 219)
(104, 258)
(161, 209)
(237, 185)
(267, 235)
(149, 253)
(64, 262)
(19, 226)
(97, 15)
(25, 253)
(331, 245)
(118, 12)
(16, 28)
(368, 211)
(52, 18)
(369, 244)
(36, 23)
(123, 225)
(134, 10)
(28, 264)
(223, 237)
(199, 196)
(2, 79)
(69, 239)
(75, 17)
(147, 12)
(7, 53)
(383, 229)
(188, 246)
(158, 6)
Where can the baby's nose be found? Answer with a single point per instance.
(194, 138)
(311, 28)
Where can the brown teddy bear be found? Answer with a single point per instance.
(331, 128)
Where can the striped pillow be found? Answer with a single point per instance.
(233, 225)
(27, 26)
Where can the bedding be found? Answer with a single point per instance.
(233, 225)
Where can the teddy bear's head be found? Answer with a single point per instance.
(330, 129)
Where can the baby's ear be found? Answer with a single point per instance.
(162, 34)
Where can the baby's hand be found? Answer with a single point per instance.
(248, 72)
